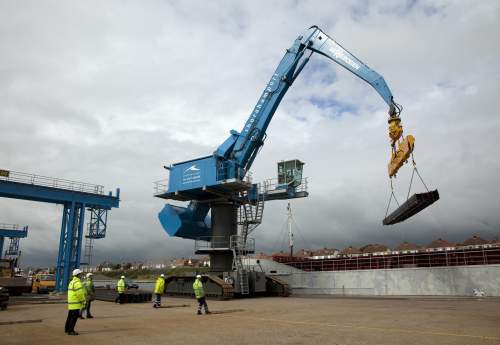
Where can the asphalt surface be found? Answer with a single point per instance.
(293, 320)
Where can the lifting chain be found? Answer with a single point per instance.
(415, 170)
(390, 199)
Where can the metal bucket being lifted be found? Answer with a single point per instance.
(411, 206)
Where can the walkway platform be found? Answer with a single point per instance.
(32, 187)
(13, 230)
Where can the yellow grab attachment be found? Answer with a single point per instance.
(395, 129)
(401, 154)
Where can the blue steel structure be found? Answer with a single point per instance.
(75, 197)
(222, 175)
(14, 232)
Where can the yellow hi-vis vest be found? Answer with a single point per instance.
(120, 287)
(198, 289)
(89, 289)
(76, 296)
(160, 285)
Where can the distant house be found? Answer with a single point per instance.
(204, 261)
(179, 263)
(475, 242)
(495, 242)
(280, 254)
(375, 249)
(325, 253)
(262, 255)
(194, 262)
(303, 253)
(440, 245)
(407, 248)
(350, 252)
(105, 266)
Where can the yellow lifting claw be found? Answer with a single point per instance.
(404, 149)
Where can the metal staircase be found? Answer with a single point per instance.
(250, 214)
(249, 218)
(96, 229)
(241, 247)
(241, 272)
(13, 249)
(89, 250)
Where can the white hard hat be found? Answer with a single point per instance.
(89, 274)
(122, 277)
(162, 275)
(198, 276)
(77, 271)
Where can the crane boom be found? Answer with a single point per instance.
(243, 147)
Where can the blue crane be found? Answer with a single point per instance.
(222, 174)
(14, 232)
(219, 183)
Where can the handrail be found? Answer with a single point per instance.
(53, 182)
(206, 242)
(161, 186)
(6, 226)
(457, 257)
(14, 227)
(272, 184)
(220, 242)
(240, 243)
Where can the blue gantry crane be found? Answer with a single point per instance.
(14, 232)
(219, 182)
(76, 198)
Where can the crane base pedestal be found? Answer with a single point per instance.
(225, 287)
(223, 281)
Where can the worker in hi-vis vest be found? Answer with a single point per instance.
(199, 293)
(80, 316)
(120, 288)
(159, 289)
(90, 294)
(76, 302)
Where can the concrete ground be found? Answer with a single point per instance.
(293, 320)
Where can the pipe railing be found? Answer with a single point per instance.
(447, 258)
(161, 186)
(272, 184)
(6, 226)
(241, 244)
(53, 182)
(212, 242)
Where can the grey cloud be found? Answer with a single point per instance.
(109, 93)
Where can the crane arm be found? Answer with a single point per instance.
(242, 148)
(323, 44)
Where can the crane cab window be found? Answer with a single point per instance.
(290, 172)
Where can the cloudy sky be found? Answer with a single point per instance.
(109, 92)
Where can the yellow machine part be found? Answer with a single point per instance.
(403, 152)
(6, 268)
(395, 129)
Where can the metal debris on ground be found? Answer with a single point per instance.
(227, 311)
(175, 306)
(19, 321)
(136, 296)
